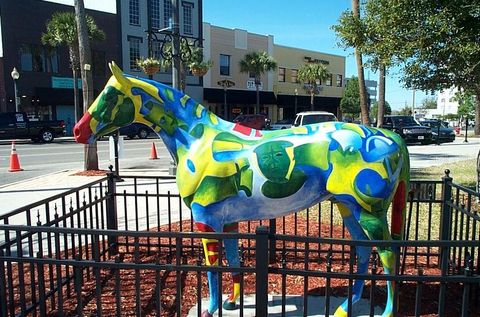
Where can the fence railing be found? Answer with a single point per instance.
(102, 238)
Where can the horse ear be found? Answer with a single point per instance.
(118, 74)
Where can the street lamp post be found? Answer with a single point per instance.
(15, 76)
(225, 83)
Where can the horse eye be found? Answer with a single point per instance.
(279, 154)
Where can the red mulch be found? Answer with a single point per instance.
(295, 285)
(91, 173)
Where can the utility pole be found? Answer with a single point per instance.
(176, 45)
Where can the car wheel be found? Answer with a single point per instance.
(142, 133)
(46, 136)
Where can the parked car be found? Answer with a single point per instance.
(136, 129)
(408, 128)
(254, 121)
(282, 124)
(446, 134)
(17, 125)
(311, 117)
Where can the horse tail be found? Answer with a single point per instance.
(399, 204)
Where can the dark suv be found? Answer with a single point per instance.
(254, 121)
(408, 128)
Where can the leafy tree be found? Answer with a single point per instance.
(257, 63)
(374, 109)
(352, 32)
(466, 104)
(429, 103)
(311, 76)
(350, 103)
(437, 42)
(61, 29)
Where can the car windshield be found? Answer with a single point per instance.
(317, 118)
(405, 121)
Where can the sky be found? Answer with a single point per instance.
(304, 24)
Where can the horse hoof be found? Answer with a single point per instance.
(206, 314)
(227, 305)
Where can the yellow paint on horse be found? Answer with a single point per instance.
(341, 180)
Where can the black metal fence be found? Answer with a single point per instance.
(127, 249)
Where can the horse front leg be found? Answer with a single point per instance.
(210, 248)
(231, 252)
(363, 256)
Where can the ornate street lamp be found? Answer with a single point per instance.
(15, 76)
(225, 83)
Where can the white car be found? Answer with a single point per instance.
(311, 117)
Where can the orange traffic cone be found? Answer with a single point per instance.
(153, 152)
(14, 162)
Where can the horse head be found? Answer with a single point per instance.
(115, 107)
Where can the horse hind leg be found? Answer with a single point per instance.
(363, 255)
(233, 258)
(377, 229)
(211, 247)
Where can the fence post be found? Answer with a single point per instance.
(111, 202)
(445, 218)
(261, 276)
(273, 243)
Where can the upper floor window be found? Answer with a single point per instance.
(134, 50)
(38, 58)
(281, 74)
(294, 75)
(155, 14)
(224, 65)
(187, 17)
(134, 12)
(328, 82)
(339, 80)
(167, 13)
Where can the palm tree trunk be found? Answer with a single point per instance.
(476, 129)
(381, 95)
(312, 100)
(90, 150)
(361, 76)
(257, 86)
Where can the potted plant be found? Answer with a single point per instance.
(197, 65)
(200, 68)
(149, 65)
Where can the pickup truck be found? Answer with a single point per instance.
(408, 128)
(16, 125)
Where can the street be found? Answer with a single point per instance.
(38, 159)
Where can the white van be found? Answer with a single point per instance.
(310, 117)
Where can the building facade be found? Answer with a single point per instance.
(45, 83)
(226, 48)
(290, 93)
(146, 29)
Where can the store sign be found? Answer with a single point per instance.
(65, 82)
(251, 85)
(309, 59)
(236, 110)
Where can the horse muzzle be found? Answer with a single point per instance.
(81, 131)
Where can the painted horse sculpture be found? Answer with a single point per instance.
(228, 173)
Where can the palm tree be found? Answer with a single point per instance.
(255, 64)
(312, 75)
(62, 30)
